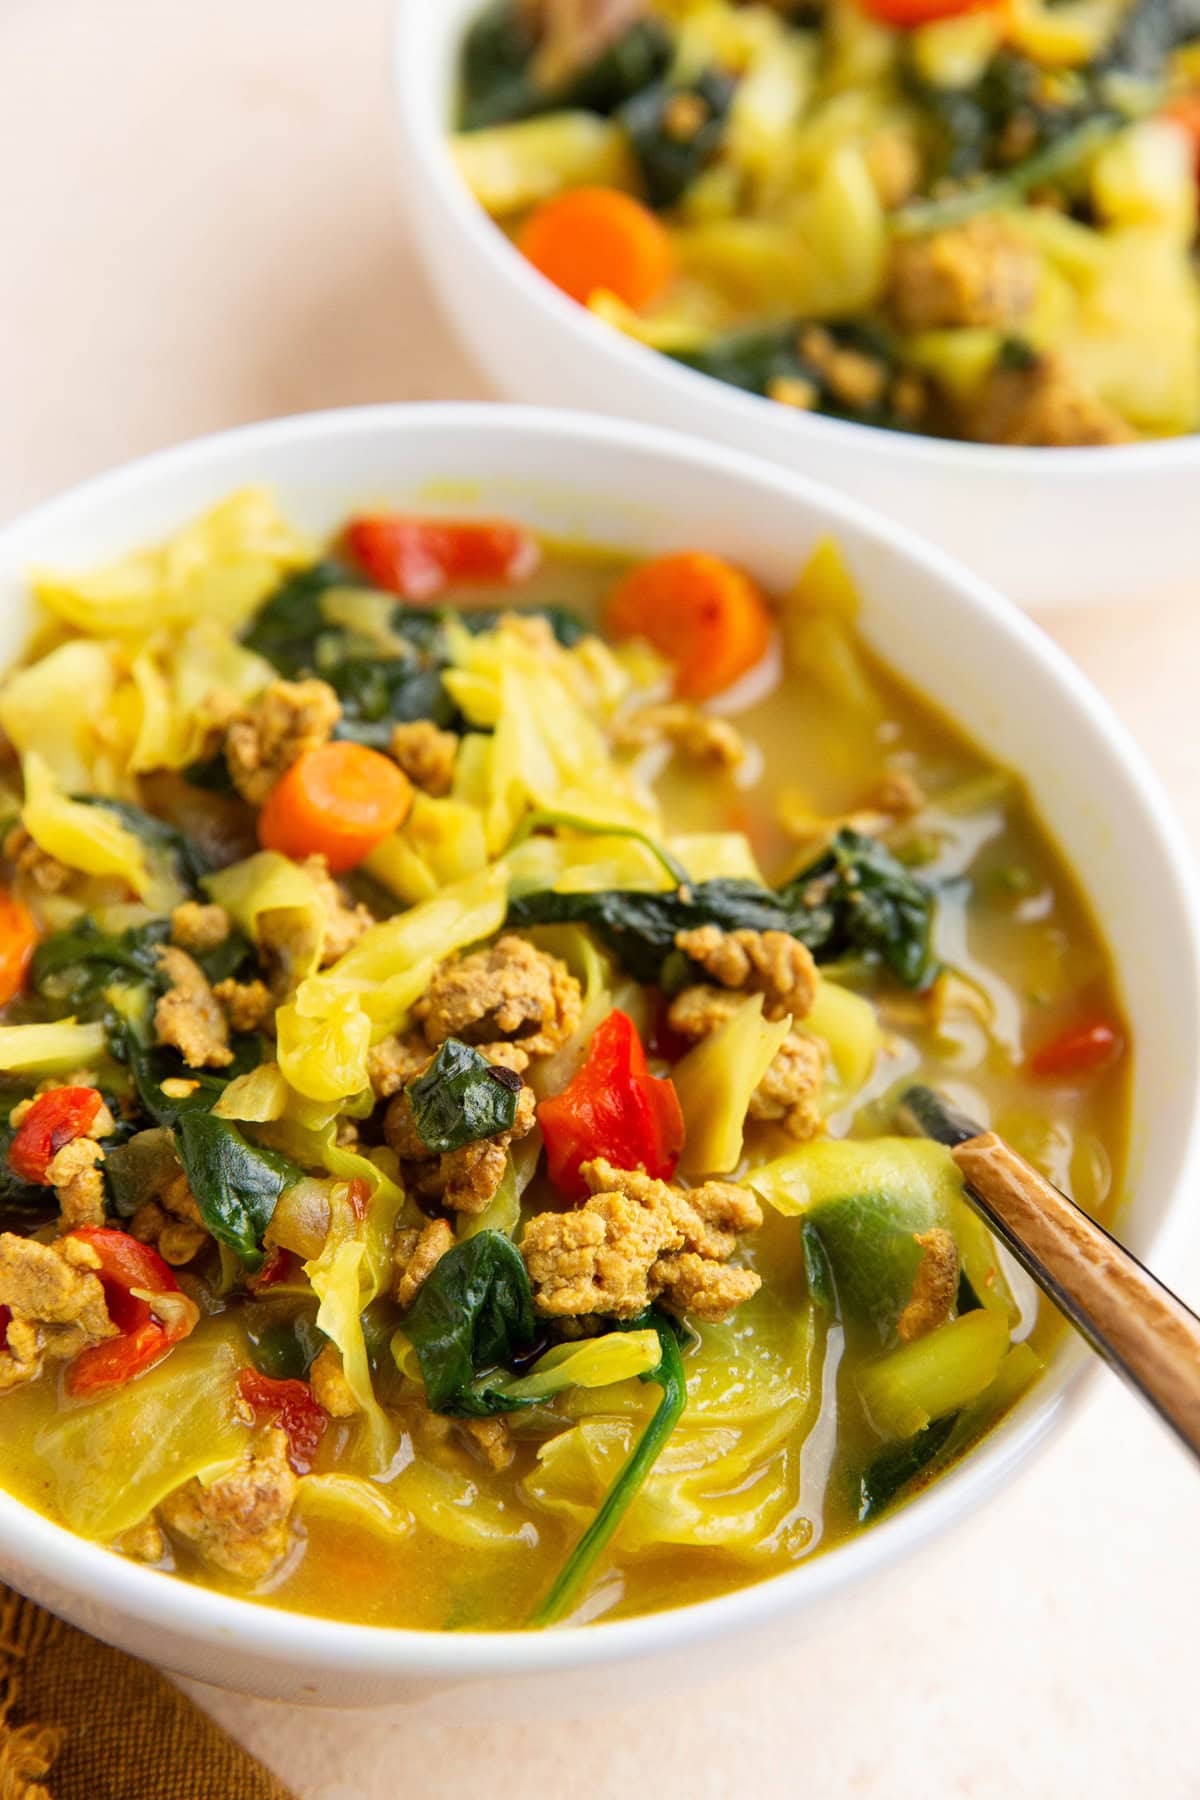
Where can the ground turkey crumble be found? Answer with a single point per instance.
(790, 1092)
(1041, 401)
(638, 1240)
(426, 755)
(980, 274)
(56, 1303)
(287, 719)
(771, 963)
(241, 1521)
(509, 994)
(685, 728)
(198, 928)
(188, 1017)
(416, 1254)
(935, 1287)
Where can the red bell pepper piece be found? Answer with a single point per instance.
(18, 941)
(420, 558)
(53, 1120)
(358, 1193)
(906, 15)
(1081, 1049)
(294, 1406)
(278, 1265)
(144, 1303)
(5, 1317)
(614, 1108)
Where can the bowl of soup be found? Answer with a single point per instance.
(475, 885)
(944, 263)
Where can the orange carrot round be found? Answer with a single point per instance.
(338, 802)
(1184, 111)
(706, 617)
(595, 238)
(18, 941)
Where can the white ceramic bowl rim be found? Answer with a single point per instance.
(420, 115)
(304, 1641)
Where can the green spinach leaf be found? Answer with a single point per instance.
(858, 897)
(462, 1098)
(73, 966)
(141, 1166)
(186, 858)
(496, 54)
(755, 359)
(818, 1271)
(676, 132)
(671, 1377)
(377, 690)
(236, 1183)
(855, 897)
(473, 1313)
(286, 1349)
(151, 1065)
(498, 82)
(892, 1470)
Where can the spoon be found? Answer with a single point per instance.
(1141, 1329)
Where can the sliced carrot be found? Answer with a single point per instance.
(18, 941)
(594, 238)
(1184, 111)
(338, 802)
(706, 616)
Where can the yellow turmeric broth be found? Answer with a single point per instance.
(445, 1444)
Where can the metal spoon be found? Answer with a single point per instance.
(1140, 1328)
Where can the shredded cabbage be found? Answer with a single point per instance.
(849, 1024)
(109, 1463)
(257, 1098)
(594, 1363)
(337, 1279)
(714, 1082)
(442, 842)
(911, 1170)
(325, 1033)
(277, 903)
(452, 1506)
(51, 1049)
(219, 567)
(716, 856)
(50, 708)
(92, 839)
(547, 749)
(938, 1374)
(350, 1500)
(176, 677)
(729, 1476)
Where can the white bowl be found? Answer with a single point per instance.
(975, 656)
(1047, 526)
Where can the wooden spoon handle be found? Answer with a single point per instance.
(1139, 1326)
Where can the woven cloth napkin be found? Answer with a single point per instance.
(79, 1721)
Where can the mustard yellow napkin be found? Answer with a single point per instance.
(79, 1721)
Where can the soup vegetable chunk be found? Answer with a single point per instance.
(455, 992)
(965, 218)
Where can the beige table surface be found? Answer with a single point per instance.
(199, 226)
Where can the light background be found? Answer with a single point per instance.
(200, 225)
